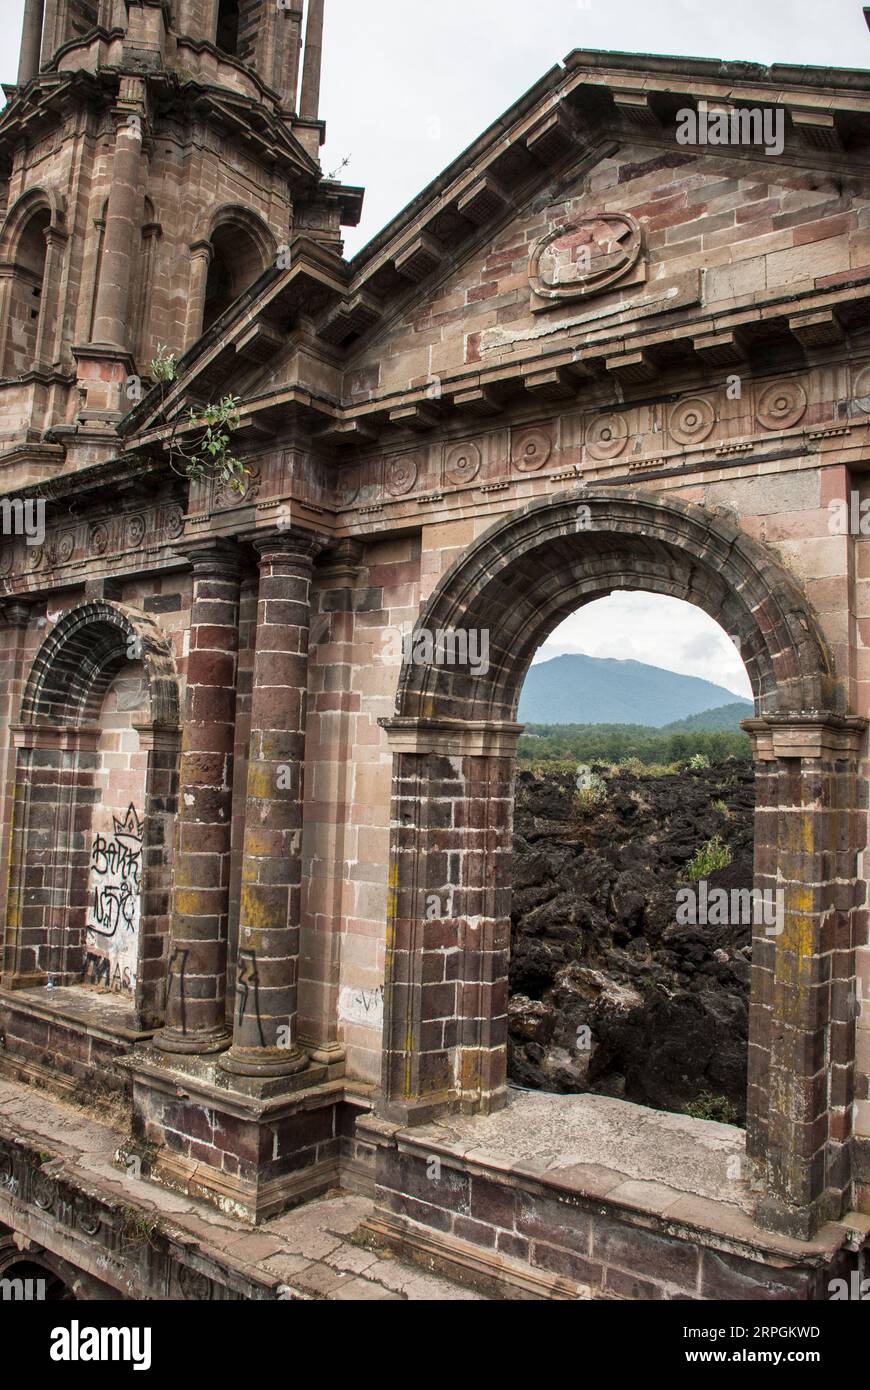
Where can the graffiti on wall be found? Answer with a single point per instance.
(112, 935)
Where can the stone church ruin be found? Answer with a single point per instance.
(257, 853)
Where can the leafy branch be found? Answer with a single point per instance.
(210, 455)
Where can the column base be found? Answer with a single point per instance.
(252, 1146)
(264, 1061)
(193, 1042)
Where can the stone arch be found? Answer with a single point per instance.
(34, 200)
(29, 264)
(454, 740)
(57, 789)
(76, 662)
(526, 574)
(242, 246)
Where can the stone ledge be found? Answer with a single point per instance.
(65, 1196)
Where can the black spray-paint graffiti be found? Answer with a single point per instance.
(115, 886)
(177, 967)
(248, 981)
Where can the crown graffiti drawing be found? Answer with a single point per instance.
(129, 830)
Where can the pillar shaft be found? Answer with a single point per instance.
(31, 40)
(265, 1014)
(122, 236)
(309, 104)
(196, 988)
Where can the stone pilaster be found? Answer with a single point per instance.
(803, 1004)
(448, 931)
(265, 1014)
(330, 841)
(200, 260)
(46, 345)
(195, 1019)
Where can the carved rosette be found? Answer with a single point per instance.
(135, 530)
(226, 496)
(193, 1284)
(607, 437)
(173, 521)
(531, 448)
(461, 463)
(66, 547)
(781, 405)
(44, 1190)
(861, 390)
(401, 474)
(98, 539)
(691, 421)
(348, 486)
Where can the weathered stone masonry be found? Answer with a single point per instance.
(468, 426)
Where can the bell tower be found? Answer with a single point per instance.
(155, 155)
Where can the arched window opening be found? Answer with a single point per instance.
(114, 899)
(228, 27)
(26, 295)
(236, 263)
(633, 898)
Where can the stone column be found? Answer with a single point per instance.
(265, 1014)
(309, 102)
(200, 260)
(123, 232)
(31, 40)
(195, 1018)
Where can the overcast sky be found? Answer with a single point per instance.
(408, 84)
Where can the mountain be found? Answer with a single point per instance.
(577, 689)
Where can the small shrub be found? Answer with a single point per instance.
(590, 797)
(709, 1106)
(164, 366)
(721, 808)
(698, 762)
(709, 857)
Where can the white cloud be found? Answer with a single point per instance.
(658, 631)
(407, 86)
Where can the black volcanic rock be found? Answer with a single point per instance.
(609, 992)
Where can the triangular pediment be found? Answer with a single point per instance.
(580, 234)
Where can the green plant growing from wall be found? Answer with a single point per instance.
(210, 455)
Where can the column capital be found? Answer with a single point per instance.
(805, 734)
(466, 737)
(343, 561)
(219, 558)
(293, 543)
(15, 614)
